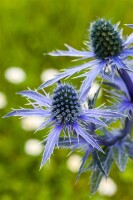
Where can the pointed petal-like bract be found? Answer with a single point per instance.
(72, 53)
(120, 64)
(124, 106)
(72, 142)
(29, 112)
(52, 139)
(127, 52)
(88, 119)
(117, 83)
(85, 87)
(103, 113)
(129, 25)
(67, 73)
(129, 40)
(36, 96)
(44, 124)
(79, 131)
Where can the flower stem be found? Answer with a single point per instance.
(127, 80)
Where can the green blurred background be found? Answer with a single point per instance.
(28, 28)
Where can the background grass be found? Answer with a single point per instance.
(28, 28)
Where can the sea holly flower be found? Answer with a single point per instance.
(64, 112)
(106, 48)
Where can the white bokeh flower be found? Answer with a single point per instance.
(33, 147)
(48, 74)
(74, 162)
(107, 187)
(31, 123)
(15, 75)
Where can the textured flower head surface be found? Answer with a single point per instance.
(105, 39)
(106, 49)
(64, 112)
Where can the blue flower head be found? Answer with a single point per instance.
(64, 112)
(105, 39)
(106, 48)
(65, 105)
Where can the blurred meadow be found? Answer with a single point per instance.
(29, 28)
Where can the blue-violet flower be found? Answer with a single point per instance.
(106, 48)
(64, 112)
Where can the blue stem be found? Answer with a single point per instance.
(127, 80)
(123, 133)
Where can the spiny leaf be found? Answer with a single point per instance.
(120, 157)
(98, 162)
(85, 157)
(129, 146)
(106, 160)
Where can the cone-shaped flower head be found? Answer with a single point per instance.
(65, 105)
(105, 39)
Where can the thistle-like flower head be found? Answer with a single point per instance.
(107, 49)
(65, 105)
(64, 112)
(105, 39)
